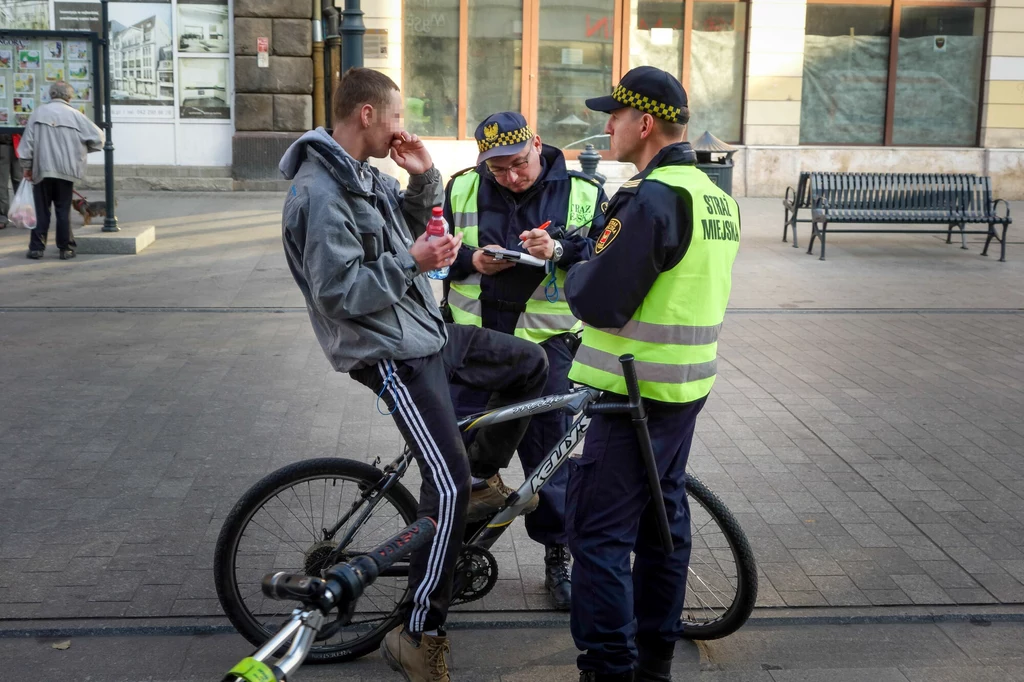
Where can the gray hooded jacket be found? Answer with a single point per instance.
(346, 231)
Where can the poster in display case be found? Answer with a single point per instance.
(31, 61)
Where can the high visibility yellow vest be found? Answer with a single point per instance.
(673, 335)
(542, 318)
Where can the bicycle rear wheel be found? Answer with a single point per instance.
(721, 586)
(279, 525)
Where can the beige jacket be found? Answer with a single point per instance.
(56, 141)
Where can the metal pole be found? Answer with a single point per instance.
(110, 222)
(318, 65)
(332, 58)
(352, 31)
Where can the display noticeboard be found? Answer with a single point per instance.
(30, 61)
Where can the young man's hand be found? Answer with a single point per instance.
(409, 152)
(436, 253)
(28, 174)
(489, 265)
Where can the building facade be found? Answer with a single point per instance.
(865, 85)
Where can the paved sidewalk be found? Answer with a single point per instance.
(943, 652)
(872, 453)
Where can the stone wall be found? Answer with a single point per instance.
(775, 69)
(273, 105)
(1003, 113)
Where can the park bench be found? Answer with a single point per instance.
(953, 200)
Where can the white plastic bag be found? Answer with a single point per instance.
(23, 207)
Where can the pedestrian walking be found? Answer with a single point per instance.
(9, 168)
(53, 153)
(657, 288)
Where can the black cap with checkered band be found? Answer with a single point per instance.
(647, 89)
(502, 134)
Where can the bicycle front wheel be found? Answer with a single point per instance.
(721, 585)
(282, 524)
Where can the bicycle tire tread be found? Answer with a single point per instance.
(242, 511)
(747, 584)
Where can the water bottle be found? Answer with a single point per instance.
(437, 228)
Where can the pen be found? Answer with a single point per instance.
(545, 226)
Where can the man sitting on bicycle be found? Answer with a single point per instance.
(349, 239)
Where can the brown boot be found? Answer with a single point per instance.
(423, 661)
(489, 496)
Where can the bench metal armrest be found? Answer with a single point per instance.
(789, 201)
(1006, 218)
(819, 210)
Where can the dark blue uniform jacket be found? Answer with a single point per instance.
(503, 216)
(656, 225)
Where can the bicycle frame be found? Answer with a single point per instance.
(575, 402)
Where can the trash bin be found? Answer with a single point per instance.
(719, 169)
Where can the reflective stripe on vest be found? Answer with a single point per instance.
(673, 335)
(542, 318)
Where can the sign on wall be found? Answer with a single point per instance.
(168, 60)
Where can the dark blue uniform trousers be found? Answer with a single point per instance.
(546, 525)
(608, 515)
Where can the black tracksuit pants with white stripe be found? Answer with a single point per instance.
(418, 393)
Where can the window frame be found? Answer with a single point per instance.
(895, 20)
(528, 96)
(684, 77)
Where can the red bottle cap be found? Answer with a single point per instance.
(435, 226)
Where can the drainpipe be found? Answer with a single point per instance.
(332, 46)
(352, 30)
(318, 66)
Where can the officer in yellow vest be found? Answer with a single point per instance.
(518, 185)
(657, 287)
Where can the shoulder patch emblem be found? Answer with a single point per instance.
(491, 132)
(611, 231)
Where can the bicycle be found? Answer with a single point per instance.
(340, 588)
(721, 583)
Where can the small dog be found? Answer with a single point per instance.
(89, 209)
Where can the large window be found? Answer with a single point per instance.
(575, 62)
(938, 75)
(703, 44)
(430, 46)
(878, 73)
(715, 82)
(495, 64)
(466, 59)
(846, 67)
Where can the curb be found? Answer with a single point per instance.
(762, 617)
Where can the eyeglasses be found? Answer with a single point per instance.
(518, 166)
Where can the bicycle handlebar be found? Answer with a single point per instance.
(345, 582)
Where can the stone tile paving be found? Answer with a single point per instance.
(871, 458)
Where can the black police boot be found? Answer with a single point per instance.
(556, 576)
(654, 662)
(591, 676)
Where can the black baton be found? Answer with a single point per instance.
(643, 435)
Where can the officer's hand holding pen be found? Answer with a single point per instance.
(538, 243)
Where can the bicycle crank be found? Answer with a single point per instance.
(476, 572)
